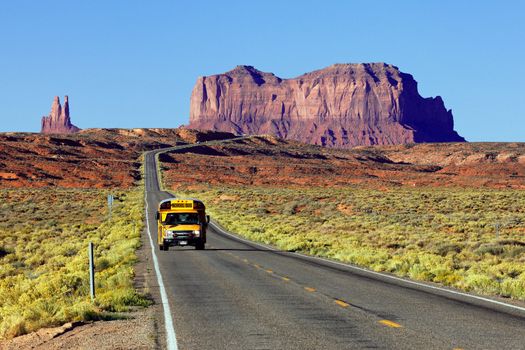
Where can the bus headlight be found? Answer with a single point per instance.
(169, 234)
(197, 233)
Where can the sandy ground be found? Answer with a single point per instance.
(139, 329)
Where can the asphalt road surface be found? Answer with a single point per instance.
(240, 295)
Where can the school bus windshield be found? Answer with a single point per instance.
(182, 219)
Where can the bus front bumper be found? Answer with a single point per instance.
(181, 240)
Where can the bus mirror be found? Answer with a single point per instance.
(207, 219)
(157, 216)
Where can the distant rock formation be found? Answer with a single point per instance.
(343, 105)
(58, 121)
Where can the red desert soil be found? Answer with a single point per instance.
(103, 158)
(270, 161)
(93, 158)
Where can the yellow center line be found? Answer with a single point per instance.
(390, 324)
(309, 289)
(269, 271)
(286, 279)
(245, 260)
(341, 303)
(257, 266)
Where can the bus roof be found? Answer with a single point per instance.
(191, 203)
(167, 200)
(180, 199)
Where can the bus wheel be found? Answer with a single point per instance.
(199, 245)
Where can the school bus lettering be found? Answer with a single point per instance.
(182, 205)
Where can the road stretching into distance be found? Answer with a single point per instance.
(238, 294)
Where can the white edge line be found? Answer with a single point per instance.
(352, 267)
(423, 285)
(171, 339)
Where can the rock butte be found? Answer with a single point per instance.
(58, 121)
(343, 105)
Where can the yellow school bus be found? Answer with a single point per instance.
(182, 222)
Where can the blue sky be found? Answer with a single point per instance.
(134, 63)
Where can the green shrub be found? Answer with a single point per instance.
(446, 248)
(3, 252)
(490, 248)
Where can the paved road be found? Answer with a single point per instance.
(239, 295)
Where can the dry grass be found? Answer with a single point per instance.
(470, 239)
(44, 234)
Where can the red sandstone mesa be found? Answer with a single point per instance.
(58, 121)
(343, 105)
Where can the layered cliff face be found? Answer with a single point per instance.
(58, 121)
(343, 105)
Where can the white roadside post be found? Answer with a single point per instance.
(110, 205)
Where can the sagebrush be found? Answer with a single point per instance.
(471, 239)
(44, 235)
